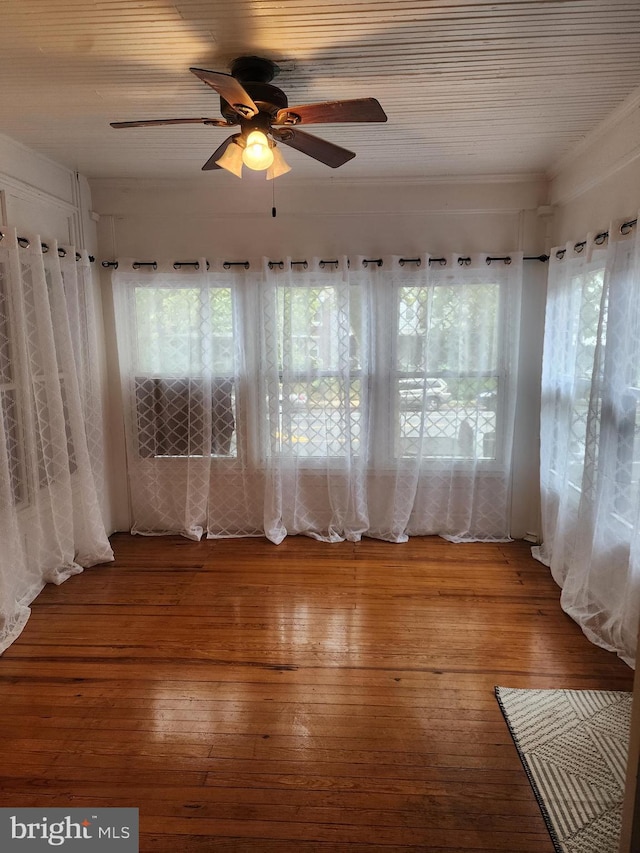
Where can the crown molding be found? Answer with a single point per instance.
(291, 182)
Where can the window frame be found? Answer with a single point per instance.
(259, 403)
(479, 465)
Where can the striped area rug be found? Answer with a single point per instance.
(573, 745)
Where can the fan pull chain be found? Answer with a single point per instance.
(273, 189)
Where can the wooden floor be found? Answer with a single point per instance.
(301, 697)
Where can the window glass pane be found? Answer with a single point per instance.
(315, 331)
(167, 326)
(435, 422)
(319, 418)
(627, 485)
(184, 331)
(448, 328)
(447, 371)
(221, 319)
(320, 393)
(587, 296)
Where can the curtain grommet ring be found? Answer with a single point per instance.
(177, 265)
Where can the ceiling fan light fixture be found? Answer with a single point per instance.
(257, 154)
(248, 100)
(279, 165)
(231, 160)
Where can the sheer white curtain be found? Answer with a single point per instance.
(590, 437)
(331, 398)
(50, 521)
(80, 288)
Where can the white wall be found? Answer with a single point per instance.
(216, 215)
(49, 200)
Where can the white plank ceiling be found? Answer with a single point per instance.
(470, 88)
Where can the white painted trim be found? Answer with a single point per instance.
(293, 184)
(30, 193)
(294, 214)
(599, 178)
(78, 220)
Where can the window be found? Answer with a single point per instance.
(621, 396)
(628, 455)
(597, 387)
(587, 312)
(9, 404)
(44, 407)
(184, 373)
(320, 377)
(448, 375)
(320, 391)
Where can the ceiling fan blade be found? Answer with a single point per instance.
(217, 154)
(154, 122)
(326, 152)
(230, 89)
(328, 112)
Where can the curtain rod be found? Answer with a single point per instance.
(25, 243)
(506, 259)
(599, 239)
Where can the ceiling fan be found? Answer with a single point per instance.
(262, 111)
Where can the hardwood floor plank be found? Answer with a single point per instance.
(305, 697)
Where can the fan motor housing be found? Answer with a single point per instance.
(253, 69)
(268, 99)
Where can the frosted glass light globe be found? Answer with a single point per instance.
(257, 154)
